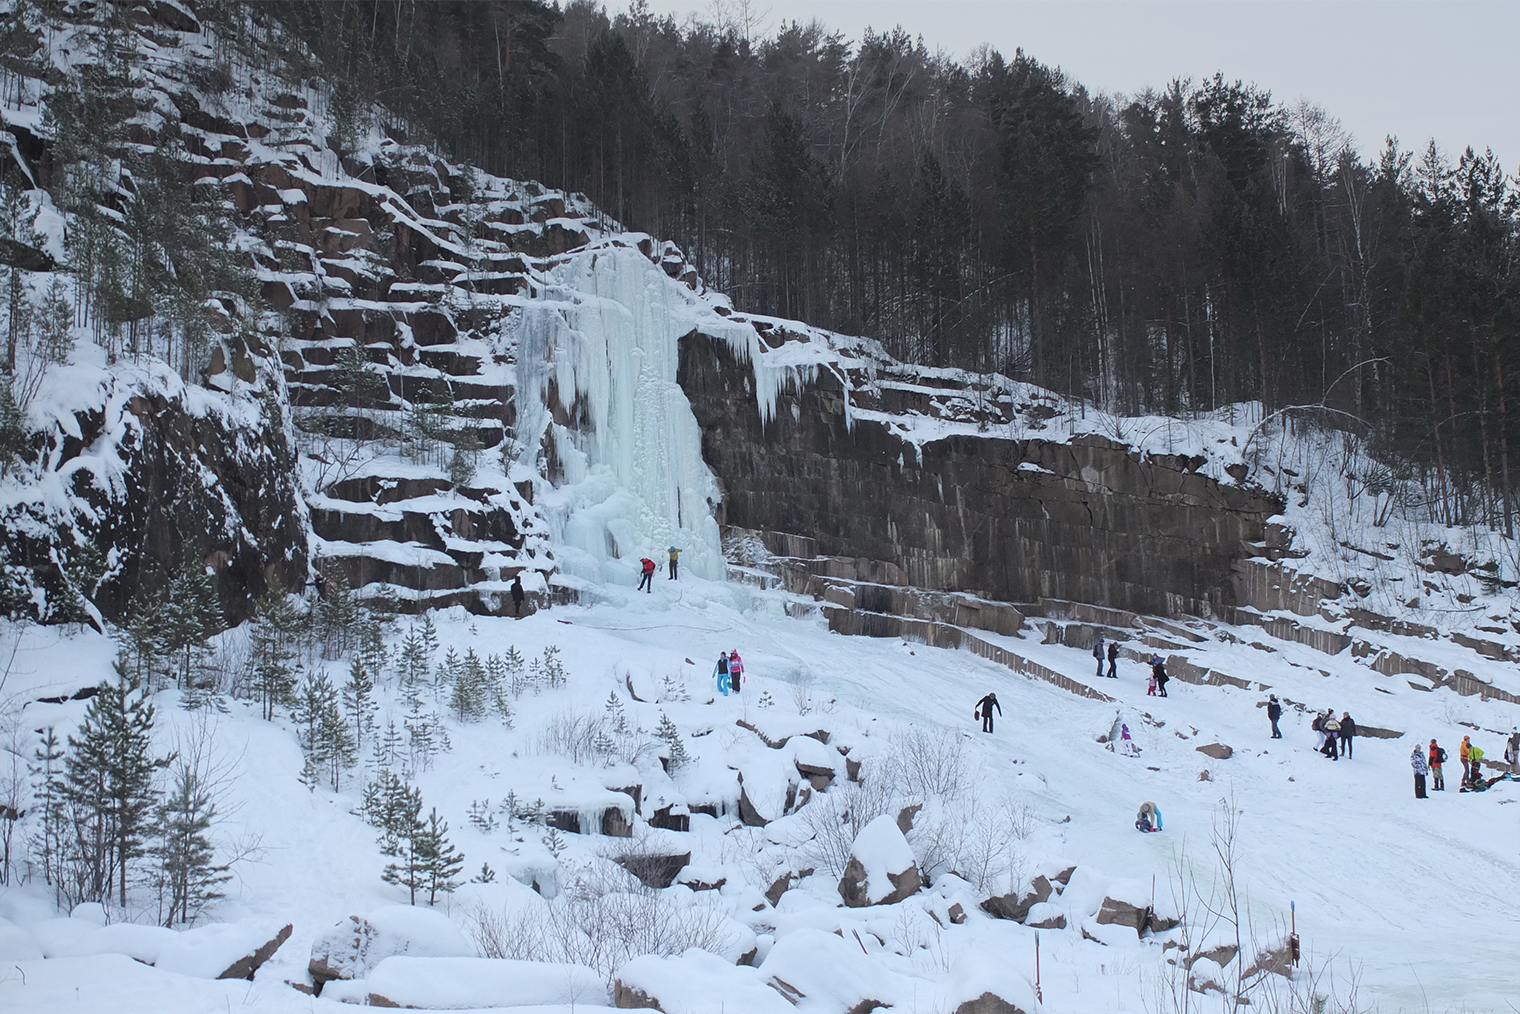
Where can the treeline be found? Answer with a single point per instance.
(1170, 252)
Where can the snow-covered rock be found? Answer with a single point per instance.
(696, 982)
(471, 983)
(1044, 915)
(223, 950)
(822, 972)
(141, 943)
(351, 949)
(881, 870)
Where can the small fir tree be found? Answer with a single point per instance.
(437, 861)
(668, 732)
(358, 699)
(188, 871)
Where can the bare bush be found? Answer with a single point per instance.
(835, 817)
(924, 763)
(603, 919)
(591, 739)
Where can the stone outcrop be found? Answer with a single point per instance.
(1085, 519)
(244, 967)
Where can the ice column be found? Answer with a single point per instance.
(604, 341)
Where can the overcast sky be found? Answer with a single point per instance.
(1416, 70)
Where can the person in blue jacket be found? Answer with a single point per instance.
(1149, 818)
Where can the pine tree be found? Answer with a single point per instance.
(513, 665)
(371, 651)
(322, 732)
(187, 861)
(145, 640)
(437, 861)
(109, 784)
(192, 617)
(336, 617)
(49, 792)
(668, 732)
(271, 634)
(395, 808)
(447, 671)
(358, 699)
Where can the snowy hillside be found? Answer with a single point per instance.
(382, 787)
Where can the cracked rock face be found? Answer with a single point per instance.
(1015, 519)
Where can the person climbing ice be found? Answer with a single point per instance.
(1149, 818)
(646, 583)
(735, 671)
(720, 673)
(675, 555)
(983, 711)
(1274, 712)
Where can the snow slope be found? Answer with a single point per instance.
(1415, 898)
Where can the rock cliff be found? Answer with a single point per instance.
(920, 473)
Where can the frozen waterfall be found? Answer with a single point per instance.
(597, 357)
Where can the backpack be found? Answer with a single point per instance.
(1440, 756)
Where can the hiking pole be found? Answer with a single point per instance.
(1038, 994)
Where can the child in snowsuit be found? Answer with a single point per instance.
(1150, 686)
(646, 583)
(1127, 745)
(1149, 818)
(720, 673)
(735, 671)
(1437, 758)
(984, 711)
(1417, 761)
(1113, 660)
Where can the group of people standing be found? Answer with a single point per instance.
(1333, 737)
(1109, 652)
(1429, 762)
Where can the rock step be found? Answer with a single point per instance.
(492, 531)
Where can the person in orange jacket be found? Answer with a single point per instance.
(1464, 753)
(1437, 758)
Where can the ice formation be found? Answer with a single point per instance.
(603, 346)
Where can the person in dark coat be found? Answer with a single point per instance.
(1274, 712)
(646, 583)
(1113, 660)
(517, 595)
(1098, 655)
(1348, 733)
(983, 711)
(1418, 762)
(1158, 669)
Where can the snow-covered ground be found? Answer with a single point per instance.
(1414, 899)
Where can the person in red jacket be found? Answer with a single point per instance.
(1437, 758)
(646, 583)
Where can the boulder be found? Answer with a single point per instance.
(1045, 916)
(694, 981)
(957, 914)
(988, 1003)
(1016, 907)
(355, 946)
(654, 869)
(881, 870)
(472, 983)
(1218, 751)
(1122, 913)
(1272, 961)
(245, 966)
